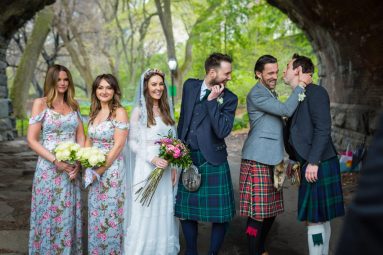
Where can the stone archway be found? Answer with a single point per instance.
(347, 37)
(13, 14)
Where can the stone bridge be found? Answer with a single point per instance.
(347, 37)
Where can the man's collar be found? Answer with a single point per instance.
(203, 87)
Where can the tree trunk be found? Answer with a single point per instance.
(27, 65)
(165, 15)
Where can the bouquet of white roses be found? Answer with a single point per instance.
(90, 157)
(67, 152)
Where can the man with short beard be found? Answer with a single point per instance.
(207, 117)
(260, 201)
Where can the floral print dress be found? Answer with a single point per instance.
(106, 197)
(55, 223)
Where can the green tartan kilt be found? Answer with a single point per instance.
(214, 200)
(322, 200)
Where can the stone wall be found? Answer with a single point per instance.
(13, 14)
(347, 37)
(7, 123)
(353, 124)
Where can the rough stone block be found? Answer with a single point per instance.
(340, 119)
(4, 108)
(3, 92)
(5, 124)
(353, 122)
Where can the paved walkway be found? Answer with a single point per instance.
(17, 163)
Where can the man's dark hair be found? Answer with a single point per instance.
(215, 59)
(262, 61)
(306, 63)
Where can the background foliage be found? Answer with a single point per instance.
(125, 37)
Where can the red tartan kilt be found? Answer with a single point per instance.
(258, 198)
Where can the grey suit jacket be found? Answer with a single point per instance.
(264, 143)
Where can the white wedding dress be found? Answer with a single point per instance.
(153, 229)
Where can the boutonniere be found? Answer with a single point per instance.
(220, 99)
(301, 96)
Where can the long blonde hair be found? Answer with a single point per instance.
(163, 102)
(115, 103)
(50, 87)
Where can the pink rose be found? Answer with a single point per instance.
(102, 197)
(58, 219)
(113, 184)
(95, 252)
(37, 244)
(68, 243)
(54, 208)
(58, 181)
(101, 236)
(113, 224)
(46, 216)
(177, 152)
(95, 213)
(44, 175)
(68, 204)
(120, 211)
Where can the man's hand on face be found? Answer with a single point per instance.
(216, 90)
(304, 78)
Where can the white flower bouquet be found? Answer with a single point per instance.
(67, 152)
(89, 158)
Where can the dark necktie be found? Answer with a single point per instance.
(274, 93)
(207, 93)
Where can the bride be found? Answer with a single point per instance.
(153, 229)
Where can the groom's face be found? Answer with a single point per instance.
(268, 77)
(222, 74)
(289, 74)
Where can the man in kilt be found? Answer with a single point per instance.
(206, 118)
(260, 201)
(320, 196)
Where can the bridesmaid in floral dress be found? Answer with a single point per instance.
(56, 209)
(108, 130)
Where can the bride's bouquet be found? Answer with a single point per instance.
(176, 153)
(90, 157)
(67, 152)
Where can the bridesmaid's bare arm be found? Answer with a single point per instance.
(33, 134)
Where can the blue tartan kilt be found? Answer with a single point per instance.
(214, 200)
(322, 200)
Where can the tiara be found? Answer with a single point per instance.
(151, 72)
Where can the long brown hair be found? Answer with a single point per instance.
(50, 84)
(163, 102)
(115, 103)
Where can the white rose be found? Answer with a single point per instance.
(75, 147)
(59, 156)
(101, 158)
(65, 154)
(93, 160)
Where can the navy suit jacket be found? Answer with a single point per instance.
(214, 125)
(310, 127)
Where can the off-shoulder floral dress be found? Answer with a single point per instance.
(55, 223)
(106, 197)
